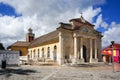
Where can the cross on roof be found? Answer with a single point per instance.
(81, 13)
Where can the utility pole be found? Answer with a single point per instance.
(112, 47)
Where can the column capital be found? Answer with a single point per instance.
(81, 37)
(91, 38)
(74, 35)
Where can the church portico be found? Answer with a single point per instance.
(85, 49)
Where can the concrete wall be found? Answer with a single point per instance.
(11, 57)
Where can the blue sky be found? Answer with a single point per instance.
(6, 9)
(17, 16)
(111, 10)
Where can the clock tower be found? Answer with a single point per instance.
(30, 36)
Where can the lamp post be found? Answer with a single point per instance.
(112, 43)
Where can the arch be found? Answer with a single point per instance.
(55, 53)
(84, 53)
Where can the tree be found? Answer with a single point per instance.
(1, 47)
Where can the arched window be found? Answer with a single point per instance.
(34, 53)
(55, 48)
(55, 53)
(48, 53)
(42, 52)
(38, 53)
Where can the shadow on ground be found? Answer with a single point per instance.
(86, 65)
(90, 65)
(9, 72)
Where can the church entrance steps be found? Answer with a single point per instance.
(80, 61)
(93, 60)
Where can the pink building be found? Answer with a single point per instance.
(107, 53)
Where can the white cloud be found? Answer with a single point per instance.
(112, 34)
(104, 25)
(30, 7)
(90, 13)
(15, 28)
(43, 16)
(100, 22)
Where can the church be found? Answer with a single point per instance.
(75, 42)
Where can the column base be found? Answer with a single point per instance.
(74, 61)
(93, 60)
(80, 61)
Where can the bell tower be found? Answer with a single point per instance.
(30, 36)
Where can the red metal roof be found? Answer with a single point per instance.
(115, 46)
(108, 48)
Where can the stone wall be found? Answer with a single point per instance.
(68, 46)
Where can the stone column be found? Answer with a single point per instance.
(95, 49)
(61, 49)
(75, 50)
(91, 51)
(81, 48)
(96, 59)
(81, 51)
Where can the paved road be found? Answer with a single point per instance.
(75, 72)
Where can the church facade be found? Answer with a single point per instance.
(75, 42)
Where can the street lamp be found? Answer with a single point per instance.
(111, 46)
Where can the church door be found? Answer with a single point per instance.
(84, 53)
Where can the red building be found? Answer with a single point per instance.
(108, 52)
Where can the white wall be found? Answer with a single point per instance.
(11, 57)
(51, 46)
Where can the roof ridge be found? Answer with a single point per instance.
(43, 36)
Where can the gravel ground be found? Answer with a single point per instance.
(75, 72)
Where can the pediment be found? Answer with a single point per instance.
(87, 30)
